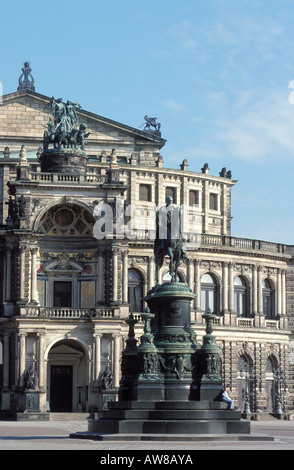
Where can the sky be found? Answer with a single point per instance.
(217, 74)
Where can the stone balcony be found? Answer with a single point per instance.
(67, 178)
(71, 313)
(195, 241)
(243, 243)
(247, 322)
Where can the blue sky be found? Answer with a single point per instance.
(215, 73)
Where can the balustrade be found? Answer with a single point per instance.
(54, 312)
(67, 178)
(244, 243)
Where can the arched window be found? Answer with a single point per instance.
(240, 297)
(267, 299)
(208, 293)
(167, 277)
(135, 291)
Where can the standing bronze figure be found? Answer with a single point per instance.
(169, 239)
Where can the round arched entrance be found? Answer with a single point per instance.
(67, 377)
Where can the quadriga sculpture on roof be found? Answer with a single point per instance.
(64, 130)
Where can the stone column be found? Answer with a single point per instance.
(229, 316)
(40, 359)
(125, 277)
(22, 274)
(231, 287)
(205, 205)
(6, 360)
(100, 287)
(97, 355)
(114, 274)
(116, 359)
(8, 275)
(190, 273)
(34, 294)
(151, 270)
(283, 292)
(254, 290)
(259, 287)
(225, 288)
(197, 291)
(224, 210)
(260, 321)
(279, 292)
(22, 358)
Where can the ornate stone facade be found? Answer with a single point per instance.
(65, 294)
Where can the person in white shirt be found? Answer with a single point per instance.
(226, 398)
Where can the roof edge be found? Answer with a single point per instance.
(126, 128)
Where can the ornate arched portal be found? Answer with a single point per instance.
(67, 377)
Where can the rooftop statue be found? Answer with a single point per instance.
(64, 130)
(151, 122)
(169, 239)
(26, 80)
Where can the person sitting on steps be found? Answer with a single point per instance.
(226, 398)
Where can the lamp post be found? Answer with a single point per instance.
(279, 377)
(247, 393)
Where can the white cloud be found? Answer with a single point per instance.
(257, 127)
(260, 131)
(175, 106)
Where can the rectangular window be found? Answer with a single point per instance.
(171, 191)
(193, 197)
(145, 193)
(213, 202)
(62, 293)
(207, 300)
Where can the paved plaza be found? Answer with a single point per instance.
(54, 435)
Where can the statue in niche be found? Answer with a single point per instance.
(11, 208)
(31, 379)
(16, 208)
(106, 379)
(21, 206)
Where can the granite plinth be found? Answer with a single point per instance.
(64, 160)
(168, 417)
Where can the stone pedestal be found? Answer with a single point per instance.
(208, 380)
(106, 397)
(64, 160)
(150, 384)
(169, 382)
(130, 364)
(174, 339)
(32, 401)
